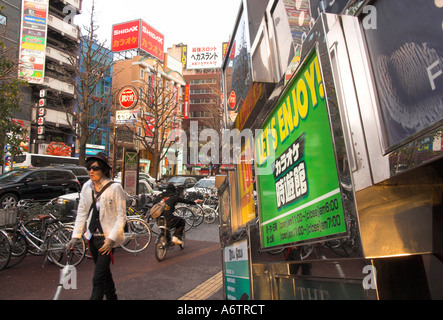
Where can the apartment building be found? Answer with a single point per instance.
(152, 80)
(49, 28)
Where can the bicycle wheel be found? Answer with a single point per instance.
(35, 228)
(57, 249)
(161, 247)
(5, 250)
(209, 216)
(187, 214)
(198, 215)
(137, 235)
(19, 247)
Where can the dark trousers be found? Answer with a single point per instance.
(102, 282)
(179, 225)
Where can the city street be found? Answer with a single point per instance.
(139, 277)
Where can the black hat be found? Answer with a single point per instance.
(100, 157)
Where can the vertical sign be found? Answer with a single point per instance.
(186, 108)
(33, 40)
(130, 171)
(236, 263)
(299, 192)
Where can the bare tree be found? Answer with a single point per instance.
(90, 63)
(157, 119)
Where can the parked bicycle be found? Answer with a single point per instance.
(137, 235)
(5, 250)
(47, 235)
(163, 243)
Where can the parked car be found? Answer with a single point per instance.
(203, 185)
(150, 179)
(70, 201)
(80, 172)
(37, 184)
(179, 182)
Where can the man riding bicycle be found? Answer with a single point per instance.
(171, 198)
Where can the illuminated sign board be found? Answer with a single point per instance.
(33, 40)
(297, 179)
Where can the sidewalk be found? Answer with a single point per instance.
(209, 290)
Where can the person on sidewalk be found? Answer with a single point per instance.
(171, 199)
(102, 208)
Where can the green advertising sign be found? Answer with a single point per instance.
(298, 188)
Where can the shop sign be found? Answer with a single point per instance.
(299, 194)
(236, 271)
(128, 98)
(33, 40)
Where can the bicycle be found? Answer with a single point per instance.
(137, 235)
(163, 243)
(51, 239)
(5, 250)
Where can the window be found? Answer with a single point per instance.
(142, 74)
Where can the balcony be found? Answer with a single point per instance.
(63, 27)
(77, 4)
(59, 56)
(59, 85)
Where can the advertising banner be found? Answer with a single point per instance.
(236, 267)
(33, 40)
(297, 180)
(125, 36)
(137, 34)
(202, 56)
(151, 41)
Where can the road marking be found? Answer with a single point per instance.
(206, 289)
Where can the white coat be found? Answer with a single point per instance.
(112, 212)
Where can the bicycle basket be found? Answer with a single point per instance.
(8, 216)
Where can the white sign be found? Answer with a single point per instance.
(126, 116)
(204, 56)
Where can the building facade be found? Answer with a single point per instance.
(49, 37)
(159, 90)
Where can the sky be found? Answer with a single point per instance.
(180, 21)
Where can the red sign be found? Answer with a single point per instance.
(151, 41)
(125, 36)
(186, 109)
(232, 100)
(128, 98)
(150, 126)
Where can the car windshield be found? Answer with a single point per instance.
(177, 180)
(205, 184)
(12, 176)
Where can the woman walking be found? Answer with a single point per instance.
(102, 208)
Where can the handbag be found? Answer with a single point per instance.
(158, 208)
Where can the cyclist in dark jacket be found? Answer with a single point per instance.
(172, 198)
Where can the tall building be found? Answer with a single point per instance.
(202, 73)
(101, 131)
(42, 34)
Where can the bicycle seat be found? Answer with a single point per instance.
(43, 216)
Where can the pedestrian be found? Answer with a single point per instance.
(102, 208)
(171, 198)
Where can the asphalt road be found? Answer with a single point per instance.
(137, 277)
